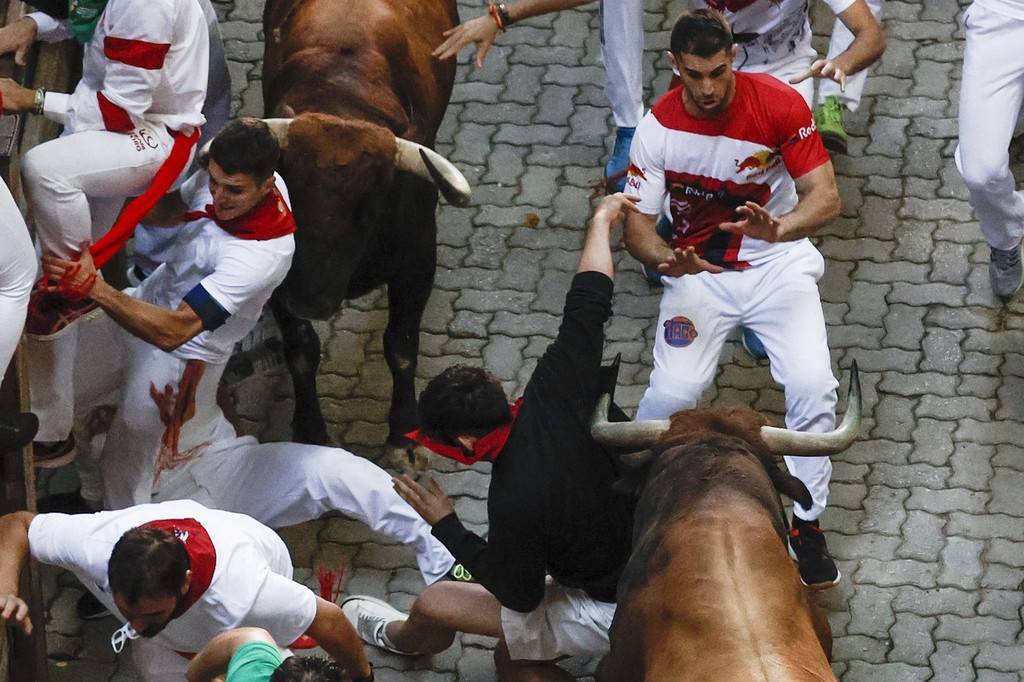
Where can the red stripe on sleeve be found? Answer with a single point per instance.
(138, 53)
(115, 118)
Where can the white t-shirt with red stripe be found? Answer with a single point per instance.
(708, 167)
(147, 63)
(251, 569)
(772, 28)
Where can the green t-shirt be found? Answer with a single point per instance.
(254, 662)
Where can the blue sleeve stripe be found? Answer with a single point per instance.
(206, 307)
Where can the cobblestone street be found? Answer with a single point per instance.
(926, 514)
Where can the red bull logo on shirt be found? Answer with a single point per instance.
(680, 331)
(758, 163)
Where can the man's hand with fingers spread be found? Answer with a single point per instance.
(823, 68)
(18, 38)
(687, 262)
(755, 221)
(481, 31)
(429, 501)
(14, 610)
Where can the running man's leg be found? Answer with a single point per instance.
(281, 484)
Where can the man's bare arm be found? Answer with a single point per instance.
(818, 204)
(13, 552)
(868, 39)
(597, 250)
(483, 29)
(213, 660)
(643, 242)
(339, 639)
(166, 329)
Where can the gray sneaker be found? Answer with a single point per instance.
(1004, 272)
(370, 616)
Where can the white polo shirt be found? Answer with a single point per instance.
(251, 584)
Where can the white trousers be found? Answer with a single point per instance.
(62, 175)
(840, 41)
(17, 274)
(281, 484)
(991, 92)
(278, 484)
(779, 302)
(784, 68)
(622, 50)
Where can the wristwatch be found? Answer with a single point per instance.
(38, 100)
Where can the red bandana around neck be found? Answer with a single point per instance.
(269, 219)
(202, 556)
(487, 447)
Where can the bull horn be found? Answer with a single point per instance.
(804, 444)
(624, 434)
(429, 165)
(279, 127)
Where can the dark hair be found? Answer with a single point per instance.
(246, 145)
(147, 562)
(463, 400)
(307, 669)
(701, 32)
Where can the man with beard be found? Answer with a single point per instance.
(176, 574)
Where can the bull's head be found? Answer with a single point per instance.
(340, 174)
(737, 431)
(779, 441)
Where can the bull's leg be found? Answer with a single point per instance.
(407, 299)
(302, 353)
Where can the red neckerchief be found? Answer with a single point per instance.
(269, 219)
(202, 557)
(487, 447)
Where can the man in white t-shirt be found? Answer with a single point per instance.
(158, 353)
(747, 181)
(176, 574)
(774, 37)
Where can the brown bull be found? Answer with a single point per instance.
(710, 592)
(358, 80)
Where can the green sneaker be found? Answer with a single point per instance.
(829, 119)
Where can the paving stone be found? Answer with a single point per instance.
(953, 662)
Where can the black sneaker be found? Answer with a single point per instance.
(91, 608)
(807, 542)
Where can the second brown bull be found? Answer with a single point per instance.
(709, 592)
(358, 99)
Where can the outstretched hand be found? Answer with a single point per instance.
(481, 31)
(429, 501)
(77, 276)
(686, 262)
(14, 610)
(755, 221)
(823, 68)
(18, 38)
(615, 207)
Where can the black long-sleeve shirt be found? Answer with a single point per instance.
(551, 509)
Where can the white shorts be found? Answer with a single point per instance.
(569, 622)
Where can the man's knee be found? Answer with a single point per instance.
(983, 170)
(39, 171)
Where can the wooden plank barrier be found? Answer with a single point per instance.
(23, 659)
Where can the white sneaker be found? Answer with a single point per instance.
(370, 616)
